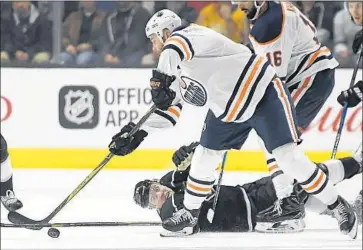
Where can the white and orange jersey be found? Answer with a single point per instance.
(288, 39)
(215, 71)
(163, 118)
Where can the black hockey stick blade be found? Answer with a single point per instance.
(17, 218)
(38, 225)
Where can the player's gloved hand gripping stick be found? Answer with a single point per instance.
(345, 109)
(17, 218)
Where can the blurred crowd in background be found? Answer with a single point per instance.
(112, 33)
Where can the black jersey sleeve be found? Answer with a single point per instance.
(175, 180)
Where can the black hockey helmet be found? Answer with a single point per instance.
(142, 191)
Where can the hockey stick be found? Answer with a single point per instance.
(345, 109)
(17, 218)
(81, 224)
(211, 211)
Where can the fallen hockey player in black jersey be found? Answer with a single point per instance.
(237, 206)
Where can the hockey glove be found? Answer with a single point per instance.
(175, 180)
(358, 41)
(352, 96)
(122, 144)
(182, 158)
(161, 94)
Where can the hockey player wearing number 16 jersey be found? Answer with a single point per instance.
(288, 39)
(203, 67)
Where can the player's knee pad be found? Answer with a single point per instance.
(3, 150)
(205, 162)
(293, 161)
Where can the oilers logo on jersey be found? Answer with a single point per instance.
(193, 92)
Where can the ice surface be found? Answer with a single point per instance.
(109, 198)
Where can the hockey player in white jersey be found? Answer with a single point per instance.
(288, 39)
(7, 196)
(203, 67)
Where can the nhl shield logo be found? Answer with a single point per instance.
(78, 107)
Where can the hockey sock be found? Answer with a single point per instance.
(201, 176)
(283, 183)
(315, 205)
(339, 170)
(295, 163)
(196, 191)
(318, 184)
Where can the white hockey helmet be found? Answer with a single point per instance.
(163, 19)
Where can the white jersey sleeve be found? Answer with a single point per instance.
(176, 49)
(162, 119)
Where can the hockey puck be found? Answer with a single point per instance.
(53, 232)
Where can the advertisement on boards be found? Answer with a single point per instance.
(83, 108)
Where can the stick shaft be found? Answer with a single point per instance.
(345, 109)
(97, 169)
(219, 181)
(81, 224)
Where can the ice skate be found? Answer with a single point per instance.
(181, 224)
(346, 217)
(286, 215)
(357, 207)
(10, 201)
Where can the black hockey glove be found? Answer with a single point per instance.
(182, 158)
(161, 94)
(352, 96)
(358, 41)
(122, 144)
(175, 180)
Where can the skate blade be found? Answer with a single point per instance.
(289, 226)
(182, 233)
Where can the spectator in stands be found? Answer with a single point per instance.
(344, 32)
(46, 9)
(124, 41)
(26, 35)
(198, 5)
(181, 8)
(321, 15)
(69, 7)
(221, 17)
(356, 12)
(81, 33)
